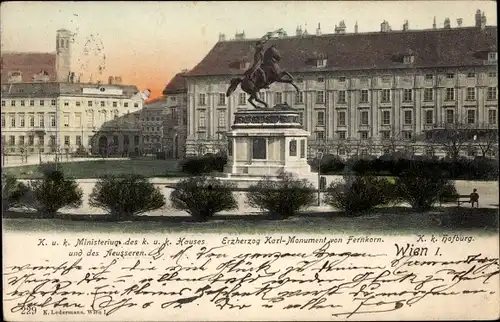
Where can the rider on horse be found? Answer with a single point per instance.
(258, 58)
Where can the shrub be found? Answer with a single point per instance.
(202, 197)
(422, 187)
(358, 194)
(329, 164)
(281, 198)
(54, 192)
(13, 192)
(126, 195)
(205, 164)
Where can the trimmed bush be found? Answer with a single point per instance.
(54, 192)
(281, 198)
(13, 192)
(125, 196)
(329, 164)
(358, 194)
(204, 165)
(202, 197)
(422, 187)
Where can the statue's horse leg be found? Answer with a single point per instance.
(251, 99)
(287, 81)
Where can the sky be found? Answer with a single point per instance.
(147, 43)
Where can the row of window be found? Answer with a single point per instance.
(386, 95)
(20, 120)
(428, 117)
(30, 140)
(66, 103)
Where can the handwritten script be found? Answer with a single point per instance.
(105, 277)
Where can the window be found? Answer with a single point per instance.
(66, 120)
(364, 96)
(13, 120)
(242, 100)
(341, 119)
(77, 103)
(300, 80)
(299, 98)
(12, 103)
(32, 102)
(450, 116)
(52, 120)
(66, 103)
(320, 135)
(428, 94)
(363, 135)
(407, 135)
(386, 95)
(173, 98)
(41, 120)
(429, 117)
(342, 135)
(136, 104)
(450, 94)
(222, 119)
(125, 104)
(103, 104)
(222, 99)
(115, 104)
(42, 102)
(492, 74)
(12, 140)
(31, 140)
(53, 102)
(408, 59)
(429, 76)
(408, 95)
(492, 93)
(31, 120)
(66, 140)
(450, 75)
(262, 96)
(321, 63)
(341, 98)
(321, 80)
(89, 103)
(493, 56)
(3, 120)
(408, 118)
(386, 117)
(301, 118)
(22, 102)
(492, 116)
(385, 135)
(364, 118)
(320, 97)
(342, 79)
(202, 99)
(471, 93)
(320, 118)
(21, 140)
(471, 75)
(78, 119)
(21, 120)
(278, 98)
(3, 103)
(471, 116)
(202, 119)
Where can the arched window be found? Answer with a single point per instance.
(61, 43)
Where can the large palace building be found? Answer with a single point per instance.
(359, 87)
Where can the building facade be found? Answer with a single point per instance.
(359, 91)
(49, 117)
(175, 122)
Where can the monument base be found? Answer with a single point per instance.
(266, 143)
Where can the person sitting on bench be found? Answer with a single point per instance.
(474, 198)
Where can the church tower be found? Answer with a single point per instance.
(63, 55)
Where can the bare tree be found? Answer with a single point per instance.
(220, 145)
(394, 141)
(200, 147)
(453, 138)
(328, 146)
(487, 142)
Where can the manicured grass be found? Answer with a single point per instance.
(97, 168)
(386, 221)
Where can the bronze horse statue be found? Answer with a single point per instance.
(253, 84)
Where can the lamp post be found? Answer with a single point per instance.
(319, 156)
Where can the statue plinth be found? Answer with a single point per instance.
(265, 142)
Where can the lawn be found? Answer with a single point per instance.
(98, 168)
(387, 221)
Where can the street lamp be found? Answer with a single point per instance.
(319, 156)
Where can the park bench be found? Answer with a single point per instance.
(459, 199)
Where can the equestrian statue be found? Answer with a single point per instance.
(264, 71)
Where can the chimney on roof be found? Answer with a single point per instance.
(483, 21)
(356, 28)
(318, 30)
(239, 36)
(305, 33)
(341, 28)
(434, 23)
(478, 18)
(110, 80)
(222, 37)
(447, 24)
(298, 31)
(459, 22)
(405, 26)
(384, 26)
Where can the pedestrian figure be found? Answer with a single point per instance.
(474, 198)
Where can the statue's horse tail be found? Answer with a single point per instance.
(234, 83)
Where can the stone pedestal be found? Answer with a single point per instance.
(266, 143)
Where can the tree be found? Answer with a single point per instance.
(394, 141)
(12, 192)
(488, 142)
(200, 147)
(126, 195)
(453, 138)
